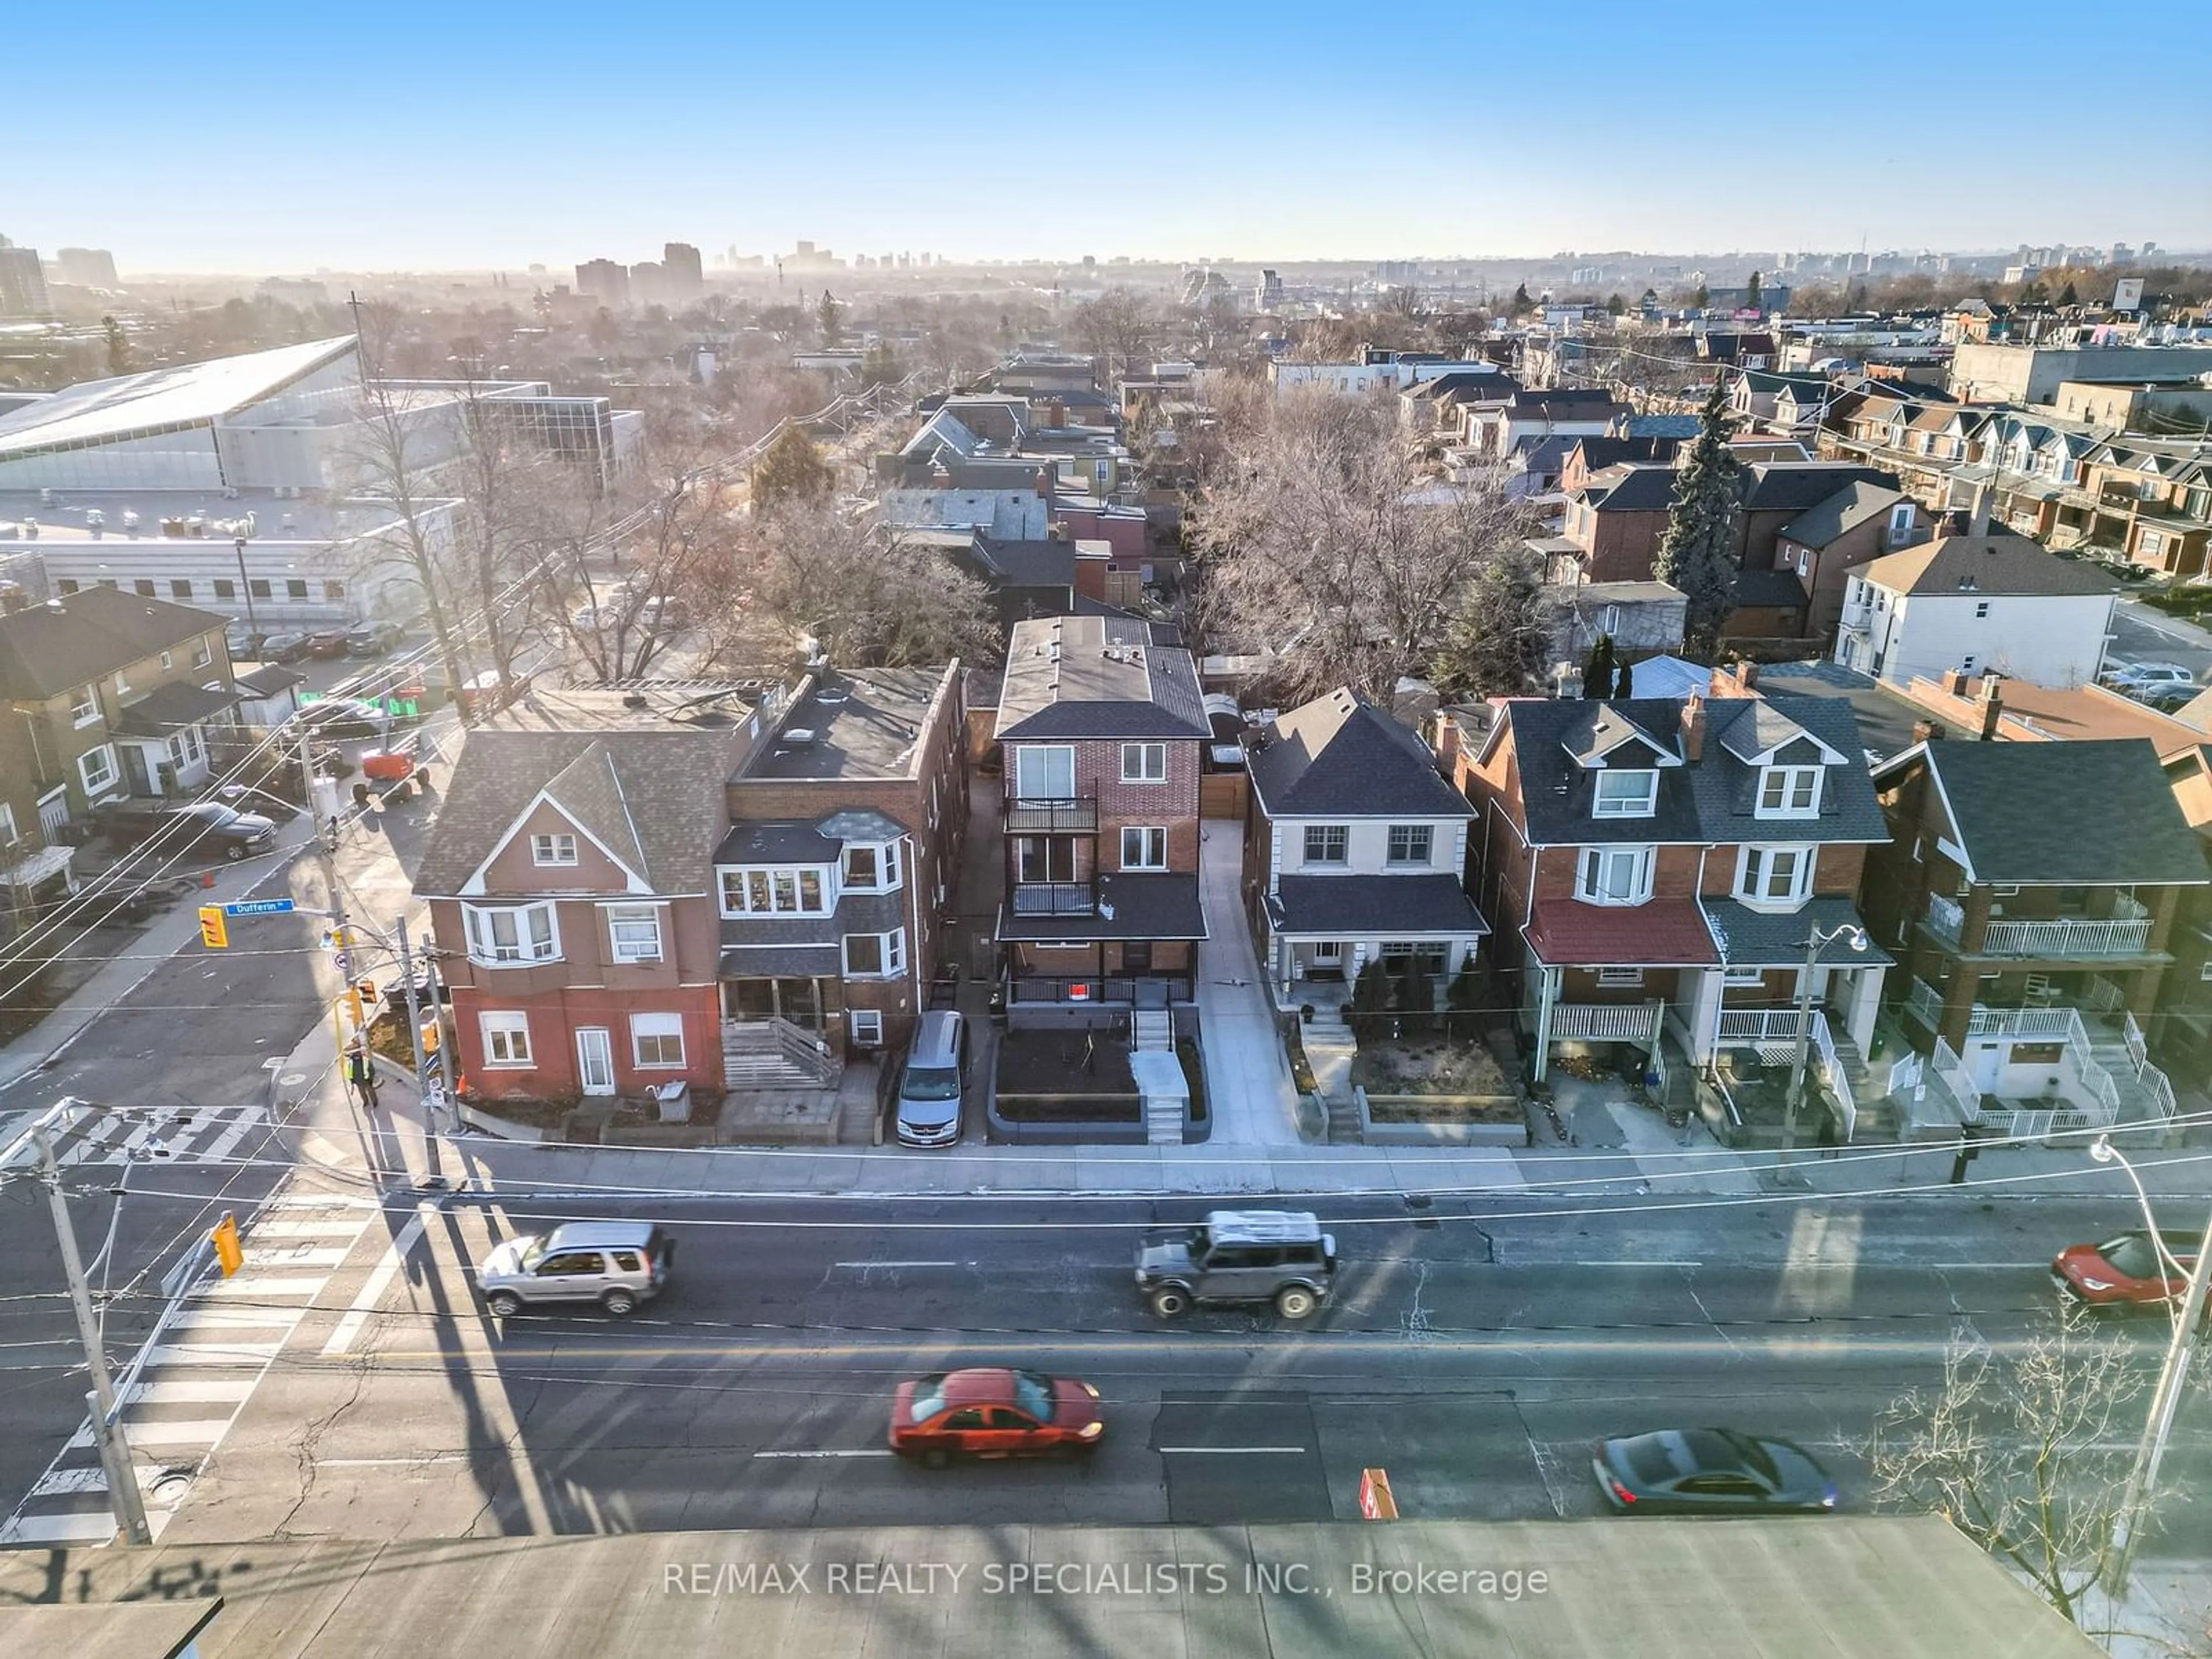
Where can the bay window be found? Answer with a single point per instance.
(502, 936)
(1773, 876)
(1616, 875)
(774, 893)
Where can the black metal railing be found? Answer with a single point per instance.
(1035, 815)
(1054, 898)
(1114, 990)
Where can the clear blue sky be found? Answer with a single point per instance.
(257, 136)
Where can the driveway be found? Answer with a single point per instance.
(1248, 1076)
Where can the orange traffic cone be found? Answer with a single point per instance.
(207, 878)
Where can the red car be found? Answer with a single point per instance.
(993, 1412)
(2126, 1271)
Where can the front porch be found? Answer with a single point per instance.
(2037, 1070)
(782, 1031)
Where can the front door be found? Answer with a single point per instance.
(595, 1061)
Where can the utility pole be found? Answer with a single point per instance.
(423, 1061)
(2166, 1400)
(123, 1498)
(1815, 938)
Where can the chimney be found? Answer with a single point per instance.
(1955, 682)
(1693, 729)
(1927, 731)
(1992, 705)
(1737, 680)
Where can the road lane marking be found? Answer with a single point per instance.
(895, 1264)
(1235, 1451)
(379, 1280)
(282, 1285)
(390, 1462)
(214, 1353)
(92, 1528)
(190, 1391)
(865, 1451)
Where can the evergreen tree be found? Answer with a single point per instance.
(791, 469)
(1624, 683)
(1614, 305)
(1499, 642)
(829, 317)
(2067, 296)
(1464, 999)
(1416, 1000)
(1522, 305)
(1597, 672)
(119, 347)
(1703, 297)
(1751, 293)
(1699, 554)
(1371, 1000)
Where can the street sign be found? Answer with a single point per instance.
(258, 907)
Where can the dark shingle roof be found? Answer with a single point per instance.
(1795, 486)
(1772, 938)
(1341, 756)
(57, 646)
(1097, 677)
(171, 707)
(777, 843)
(1144, 906)
(1629, 488)
(1848, 508)
(2072, 813)
(1769, 588)
(1392, 906)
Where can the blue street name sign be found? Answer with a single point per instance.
(258, 907)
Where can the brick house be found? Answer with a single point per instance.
(1655, 867)
(1102, 731)
(2031, 890)
(1353, 851)
(1822, 544)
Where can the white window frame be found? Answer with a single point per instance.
(1743, 975)
(1620, 979)
(111, 773)
(1591, 889)
(499, 1030)
(1623, 805)
(185, 748)
(122, 682)
(740, 877)
(1783, 784)
(1150, 836)
(203, 654)
(866, 1027)
(8, 834)
(886, 879)
(554, 850)
(891, 949)
(1754, 867)
(1033, 758)
(84, 705)
(1146, 753)
(1343, 832)
(656, 1029)
(1425, 833)
(480, 922)
(1900, 520)
(632, 916)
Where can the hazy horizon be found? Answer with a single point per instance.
(443, 140)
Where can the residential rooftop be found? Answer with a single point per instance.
(639, 706)
(859, 723)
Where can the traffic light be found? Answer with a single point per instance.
(214, 928)
(228, 1250)
(431, 1035)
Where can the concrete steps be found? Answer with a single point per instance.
(1152, 1028)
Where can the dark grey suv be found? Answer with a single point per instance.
(1279, 1257)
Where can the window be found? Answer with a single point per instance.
(867, 1028)
(657, 1039)
(875, 956)
(1773, 875)
(179, 588)
(1144, 849)
(1616, 875)
(334, 592)
(203, 652)
(84, 705)
(556, 851)
(122, 682)
(505, 1039)
(225, 588)
(96, 767)
(1626, 795)
(168, 659)
(144, 587)
(185, 748)
(1612, 619)
(1743, 976)
(258, 587)
(1044, 772)
(7, 836)
(505, 934)
(69, 584)
(871, 869)
(296, 588)
(1966, 666)
(633, 931)
(1789, 792)
(773, 893)
(1410, 842)
(1433, 955)
(1143, 762)
(1900, 521)
(1981, 609)
(1326, 842)
(1618, 979)
(2151, 544)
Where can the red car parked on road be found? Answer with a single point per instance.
(993, 1412)
(2126, 1271)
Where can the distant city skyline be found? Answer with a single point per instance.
(452, 138)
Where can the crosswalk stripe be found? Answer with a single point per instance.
(190, 1391)
(199, 1433)
(90, 1528)
(280, 1284)
(236, 1319)
(319, 1201)
(338, 1226)
(210, 1353)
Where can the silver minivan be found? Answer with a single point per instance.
(616, 1264)
(932, 1085)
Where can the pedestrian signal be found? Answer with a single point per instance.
(228, 1250)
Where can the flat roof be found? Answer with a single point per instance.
(863, 722)
(2032, 714)
(1844, 1587)
(642, 706)
(64, 521)
(161, 400)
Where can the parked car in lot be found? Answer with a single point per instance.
(374, 638)
(2121, 676)
(620, 1265)
(2136, 1269)
(245, 644)
(1708, 1471)
(342, 718)
(994, 1411)
(327, 642)
(170, 827)
(292, 645)
(1277, 1256)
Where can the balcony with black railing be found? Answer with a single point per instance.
(1054, 898)
(1066, 815)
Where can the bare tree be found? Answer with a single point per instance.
(1118, 327)
(2017, 1451)
(1323, 538)
(825, 569)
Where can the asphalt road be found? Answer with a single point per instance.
(1475, 1358)
(2142, 635)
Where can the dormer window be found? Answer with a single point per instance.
(1789, 792)
(1626, 795)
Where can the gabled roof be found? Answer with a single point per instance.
(2068, 814)
(1604, 732)
(1994, 564)
(1794, 486)
(161, 400)
(1835, 515)
(66, 643)
(1097, 677)
(589, 795)
(1341, 756)
(173, 706)
(1629, 488)
(1778, 589)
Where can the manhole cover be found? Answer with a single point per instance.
(170, 1485)
(292, 1079)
